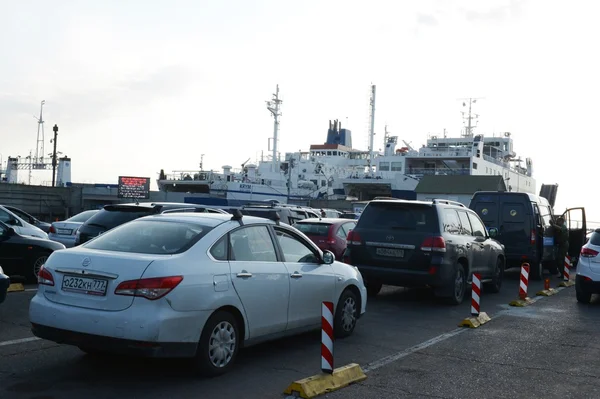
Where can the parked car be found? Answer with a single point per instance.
(19, 225)
(66, 230)
(350, 215)
(523, 223)
(114, 215)
(23, 256)
(192, 285)
(4, 284)
(587, 279)
(45, 227)
(420, 243)
(328, 233)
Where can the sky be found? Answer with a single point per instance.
(139, 86)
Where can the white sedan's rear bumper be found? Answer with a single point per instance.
(150, 328)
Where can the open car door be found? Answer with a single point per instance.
(576, 223)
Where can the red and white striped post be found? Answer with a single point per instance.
(524, 280)
(566, 268)
(476, 294)
(327, 337)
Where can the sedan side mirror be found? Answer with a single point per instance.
(328, 257)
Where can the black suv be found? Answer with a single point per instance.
(416, 243)
(115, 215)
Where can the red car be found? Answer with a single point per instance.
(328, 233)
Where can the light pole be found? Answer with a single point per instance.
(55, 129)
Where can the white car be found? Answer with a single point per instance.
(587, 279)
(192, 285)
(19, 225)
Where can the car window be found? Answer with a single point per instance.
(20, 213)
(81, 217)
(451, 221)
(545, 213)
(5, 216)
(108, 219)
(513, 212)
(342, 232)
(294, 250)
(150, 237)
(219, 249)
(314, 229)
(465, 224)
(252, 244)
(398, 217)
(478, 227)
(595, 238)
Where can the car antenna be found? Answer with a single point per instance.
(237, 215)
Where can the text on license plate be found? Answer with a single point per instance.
(66, 232)
(84, 285)
(399, 253)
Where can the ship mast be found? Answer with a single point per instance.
(371, 127)
(470, 119)
(273, 106)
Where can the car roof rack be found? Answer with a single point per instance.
(385, 198)
(448, 202)
(237, 215)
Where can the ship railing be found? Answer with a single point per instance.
(496, 161)
(446, 152)
(190, 176)
(436, 172)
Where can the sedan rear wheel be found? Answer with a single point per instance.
(218, 345)
(38, 262)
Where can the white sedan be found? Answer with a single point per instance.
(192, 285)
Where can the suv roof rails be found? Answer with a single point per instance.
(237, 215)
(385, 198)
(449, 202)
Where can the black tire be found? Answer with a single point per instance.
(218, 327)
(37, 261)
(496, 284)
(536, 271)
(373, 288)
(346, 314)
(582, 295)
(458, 286)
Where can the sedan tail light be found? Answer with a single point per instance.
(588, 253)
(45, 277)
(149, 288)
(52, 230)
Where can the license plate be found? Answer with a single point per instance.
(66, 232)
(84, 285)
(398, 253)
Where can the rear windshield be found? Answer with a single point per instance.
(150, 237)
(398, 217)
(314, 229)
(81, 217)
(108, 219)
(595, 238)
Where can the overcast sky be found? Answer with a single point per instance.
(136, 86)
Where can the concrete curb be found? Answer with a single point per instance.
(320, 384)
(474, 322)
(16, 287)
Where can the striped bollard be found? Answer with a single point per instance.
(476, 294)
(327, 337)
(524, 281)
(566, 269)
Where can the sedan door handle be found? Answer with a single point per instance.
(244, 274)
(296, 275)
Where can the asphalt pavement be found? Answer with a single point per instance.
(408, 343)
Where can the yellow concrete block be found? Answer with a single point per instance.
(521, 302)
(548, 292)
(16, 287)
(569, 283)
(323, 383)
(474, 322)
